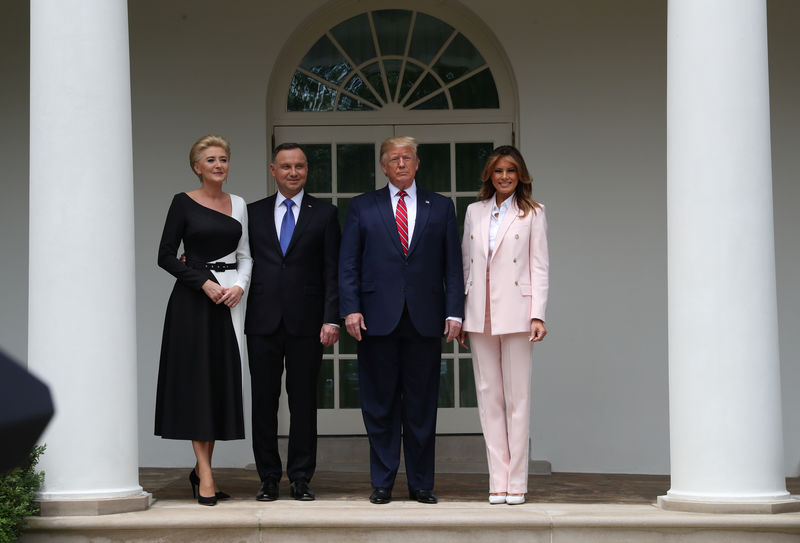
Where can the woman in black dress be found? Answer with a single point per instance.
(199, 394)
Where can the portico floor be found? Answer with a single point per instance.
(562, 507)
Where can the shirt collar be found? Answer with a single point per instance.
(503, 207)
(411, 191)
(297, 198)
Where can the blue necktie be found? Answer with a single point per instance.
(287, 226)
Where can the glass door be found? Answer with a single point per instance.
(343, 163)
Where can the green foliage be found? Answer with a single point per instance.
(17, 490)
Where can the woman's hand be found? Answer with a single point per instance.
(214, 291)
(462, 339)
(538, 331)
(231, 296)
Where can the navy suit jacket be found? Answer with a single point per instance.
(377, 280)
(301, 287)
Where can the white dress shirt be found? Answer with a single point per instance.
(280, 209)
(496, 219)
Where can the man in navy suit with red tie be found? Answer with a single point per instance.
(292, 312)
(401, 287)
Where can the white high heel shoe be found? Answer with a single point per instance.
(515, 499)
(494, 500)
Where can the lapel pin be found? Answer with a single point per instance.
(428, 202)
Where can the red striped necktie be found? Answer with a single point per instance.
(401, 217)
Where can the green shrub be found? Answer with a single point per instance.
(17, 490)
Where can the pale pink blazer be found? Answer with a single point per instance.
(518, 269)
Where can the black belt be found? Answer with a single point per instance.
(213, 266)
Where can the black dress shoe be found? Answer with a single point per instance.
(380, 495)
(423, 496)
(268, 491)
(299, 490)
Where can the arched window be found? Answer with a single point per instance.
(392, 56)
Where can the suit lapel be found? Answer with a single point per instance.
(423, 213)
(508, 219)
(305, 216)
(384, 206)
(267, 219)
(483, 226)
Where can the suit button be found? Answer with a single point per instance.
(516, 236)
(516, 284)
(515, 261)
(472, 260)
(471, 236)
(470, 283)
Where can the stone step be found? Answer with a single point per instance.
(402, 520)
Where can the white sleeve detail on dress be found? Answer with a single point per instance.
(244, 262)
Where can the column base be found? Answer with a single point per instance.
(771, 507)
(94, 506)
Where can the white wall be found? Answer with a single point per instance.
(592, 79)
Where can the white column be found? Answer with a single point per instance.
(82, 328)
(726, 439)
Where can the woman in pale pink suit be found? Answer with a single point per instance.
(506, 278)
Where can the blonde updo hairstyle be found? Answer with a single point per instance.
(204, 143)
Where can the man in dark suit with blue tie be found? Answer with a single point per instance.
(401, 287)
(292, 312)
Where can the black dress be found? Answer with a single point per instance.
(199, 394)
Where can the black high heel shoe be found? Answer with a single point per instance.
(206, 500)
(194, 480)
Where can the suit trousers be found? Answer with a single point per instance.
(399, 389)
(502, 366)
(303, 357)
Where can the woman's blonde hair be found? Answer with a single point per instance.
(204, 143)
(525, 185)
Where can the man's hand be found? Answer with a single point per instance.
(354, 322)
(538, 331)
(328, 335)
(451, 330)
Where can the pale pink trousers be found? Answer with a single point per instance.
(502, 366)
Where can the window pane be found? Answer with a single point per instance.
(357, 86)
(479, 91)
(324, 60)
(347, 344)
(470, 159)
(410, 76)
(351, 104)
(392, 68)
(437, 102)
(448, 348)
(348, 384)
(307, 94)
(428, 85)
(459, 58)
(429, 36)
(466, 385)
(355, 168)
(434, 167)
(319, 168)
(342, 204)
(446, 378)
(355, 37)
(373, 75)
(392, 25)
(325, 385)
